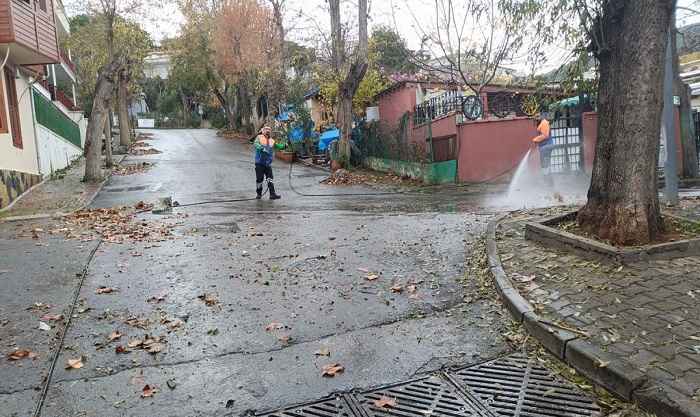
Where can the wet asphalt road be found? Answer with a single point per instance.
(286, 279)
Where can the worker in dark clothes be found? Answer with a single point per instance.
(264, 154)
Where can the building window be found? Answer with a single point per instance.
(13, 108)
(42, 5)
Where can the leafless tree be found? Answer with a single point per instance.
(470, 42)
(351, 71)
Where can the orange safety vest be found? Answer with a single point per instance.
(264, 140)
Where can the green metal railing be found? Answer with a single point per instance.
(49, 116)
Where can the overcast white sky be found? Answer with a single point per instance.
(165, 21)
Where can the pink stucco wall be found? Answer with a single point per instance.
(393, 104)
(443, 127)
(489, 149)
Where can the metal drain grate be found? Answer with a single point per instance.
(514, 386)
(330, 407)
(425, 397)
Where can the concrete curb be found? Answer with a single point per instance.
(60, 214)
(607, 370)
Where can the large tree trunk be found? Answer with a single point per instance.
(623, 202)
(348, 87)
(104, 89)
(225, 106)
(123, 109)
(109, 145)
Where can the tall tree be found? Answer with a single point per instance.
(93, 141)
(629, 40)
(351, 73)
(472, 41)
(245, 51)
(110, 13)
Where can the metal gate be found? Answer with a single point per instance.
(567, 152)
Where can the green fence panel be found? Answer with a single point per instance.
(49, 116)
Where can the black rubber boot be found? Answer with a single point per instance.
(258, 190)
(273, 194)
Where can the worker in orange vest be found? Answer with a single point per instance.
(544, 142)
(264, 153)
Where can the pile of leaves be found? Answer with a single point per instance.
(131, 169)
(230, 134)
(140, 150)
(117, 225)
(344, 177)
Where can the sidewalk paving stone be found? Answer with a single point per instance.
(58, 195)
(644, 313)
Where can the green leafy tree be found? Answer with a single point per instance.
(388, 51)
(88, 44)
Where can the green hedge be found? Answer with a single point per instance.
(49, 116)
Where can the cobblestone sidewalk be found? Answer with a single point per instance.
(647, 313)
(63, 194)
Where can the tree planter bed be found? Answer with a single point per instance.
(545, 231)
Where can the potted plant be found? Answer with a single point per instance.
(285, 152)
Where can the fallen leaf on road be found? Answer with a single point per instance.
(75, 363)
(284, 339)
(171, 383)
(213, 332)
(104, 290)
(52, 317)
(148, 391)
(385, 402)
(39, 306)
(21, 354)
(44, 326)
(371, 277)
(209, 299)
(397, 288)
(172, 325)
(323, 352)
(135, 343)
(155, 348)
(603, 364)
(411, 289)
(364, 270)
(273, 326)
(156, 299)
(332, 369)
(121, 349)
(137, 322)
(114, 336)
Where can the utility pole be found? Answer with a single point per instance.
(669, 129)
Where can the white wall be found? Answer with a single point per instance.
(12, 158)
(82, 121)
(54, 152)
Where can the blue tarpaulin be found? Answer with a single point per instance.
(296, 134)
(283, 117)
(327, 137)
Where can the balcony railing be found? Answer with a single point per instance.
(58, 95)
(66, 60)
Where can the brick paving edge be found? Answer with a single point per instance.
(605, 369)
(59, 214)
